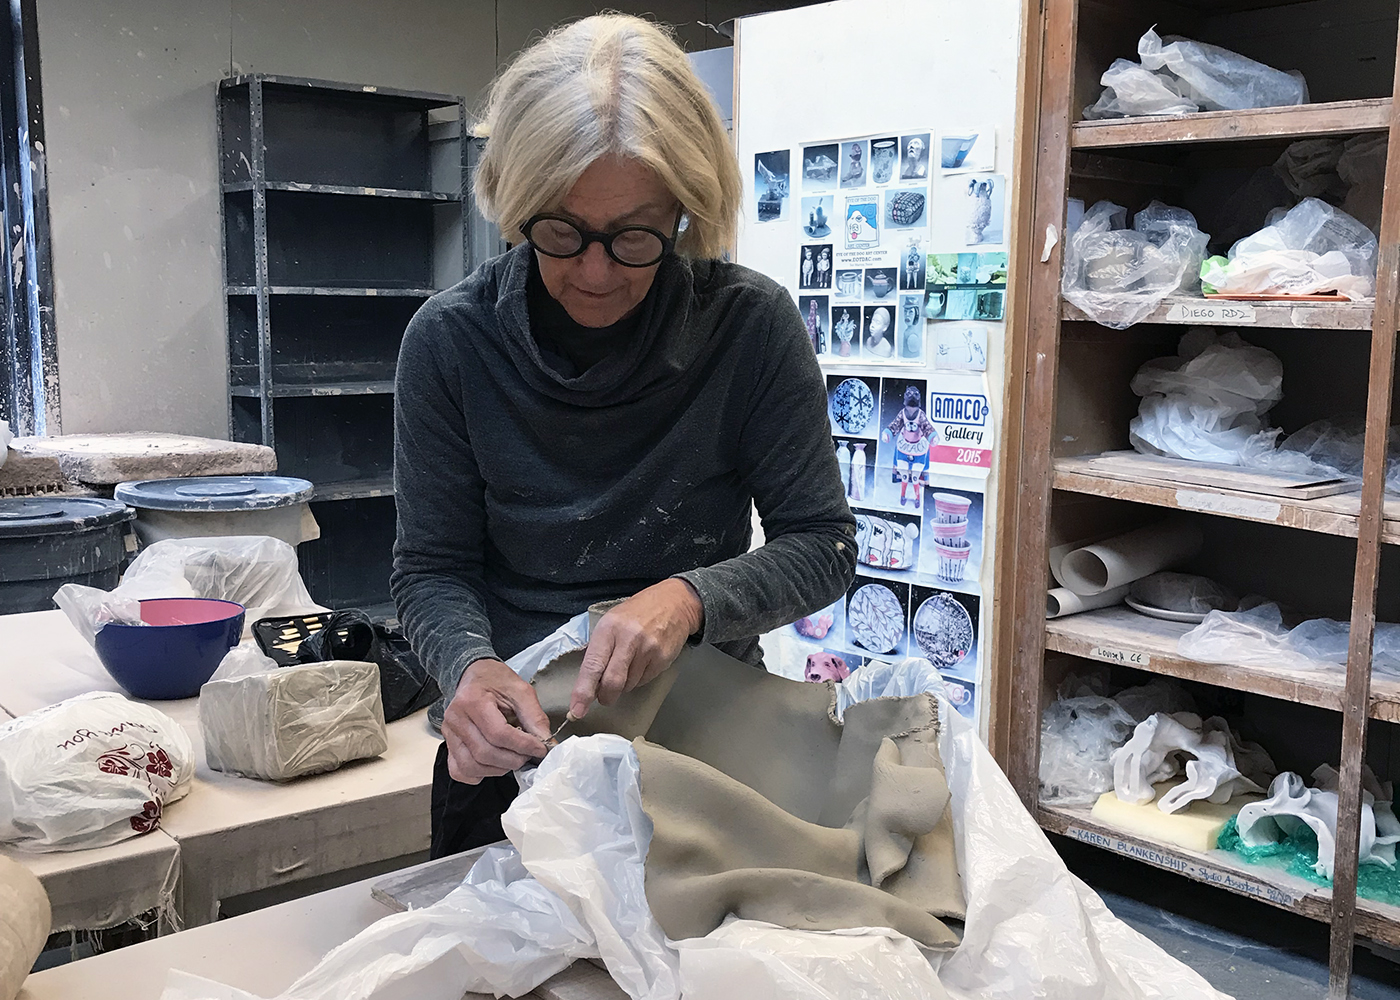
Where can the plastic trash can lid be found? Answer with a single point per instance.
(201, 493)
(26, 516)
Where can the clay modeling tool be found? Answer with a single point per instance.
(553, 740)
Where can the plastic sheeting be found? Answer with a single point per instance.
(1310, 249)
(1032, 928)
(1257, 636)
(255, 571)
(1178, 76)
(1117, 275)
(88, 772)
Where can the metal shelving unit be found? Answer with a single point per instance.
(1068, 391)
(345, 208)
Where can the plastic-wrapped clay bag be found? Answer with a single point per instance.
(1178, 76)
(279, 724)
(1218, 79)
(1078, 737)
(1206, 403)
(255, 571)
(1311, 249)
(1259, 637)
(89, 772)
(1117, 276)
(1183, 592)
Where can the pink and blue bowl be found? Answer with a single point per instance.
(176, 651)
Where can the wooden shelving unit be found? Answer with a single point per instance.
(344, 210)
(1068, 391)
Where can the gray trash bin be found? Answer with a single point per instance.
(46, 542)
(218, 506)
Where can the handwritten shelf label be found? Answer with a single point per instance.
(1188, 866)
(1259, 510)
(1210, 311)
(1127, 657)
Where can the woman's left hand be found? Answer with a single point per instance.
(635, 641)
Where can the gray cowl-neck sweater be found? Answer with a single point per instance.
(525, 496)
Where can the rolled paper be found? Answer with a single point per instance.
(24, 925)
(1125, 558)
(1061, 601)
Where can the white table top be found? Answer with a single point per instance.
(262, 952)
(238, 835)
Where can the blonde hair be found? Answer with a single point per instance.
(607, 85)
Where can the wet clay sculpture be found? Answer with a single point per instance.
(766, 806)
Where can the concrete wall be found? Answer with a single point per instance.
(128, 89)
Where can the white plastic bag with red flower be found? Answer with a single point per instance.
(88, 772)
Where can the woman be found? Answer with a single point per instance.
(590, 415)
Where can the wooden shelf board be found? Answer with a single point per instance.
(1268, 315)
(1224, 870)
(405, 194)
(1335, 118)
(1218, 868)
(382, 486)
(1334, 515)
(1121, 635)
(419, 293)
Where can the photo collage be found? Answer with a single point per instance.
(919, 540)
(898, 244)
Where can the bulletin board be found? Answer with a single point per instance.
(876, 142)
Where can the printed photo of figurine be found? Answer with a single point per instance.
(880, 283)
(819, 167)
(845, 331)
(829, 666)
(911, 270)
(913, 165)
(855, 157)
(822, 627)
(816, 315)
(816, 216)
(856, 460)
(911, 327)
(770, 184)
(878, 340)
(906, 435)
(814, 266)
(884, 159)
(970, 211)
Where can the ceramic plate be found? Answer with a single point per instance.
(1191, 617)
(875, 618)
(851, 405)
(943, 630)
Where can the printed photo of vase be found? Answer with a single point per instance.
(883, 153)
(855, 488)
(952, 557)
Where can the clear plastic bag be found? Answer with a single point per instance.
(1311, 249)
(1132, 89)
(1177, 76)
(1078, 737)
(1258, 636)
(1206, 403)
(255, 571)
(88, 772)
(1117, 276)
(1329, 449)
(1217, 79)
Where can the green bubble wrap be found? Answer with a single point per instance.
(1297, 853)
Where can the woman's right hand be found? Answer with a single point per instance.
(481, 741)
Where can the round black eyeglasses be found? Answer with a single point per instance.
(630, 246)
